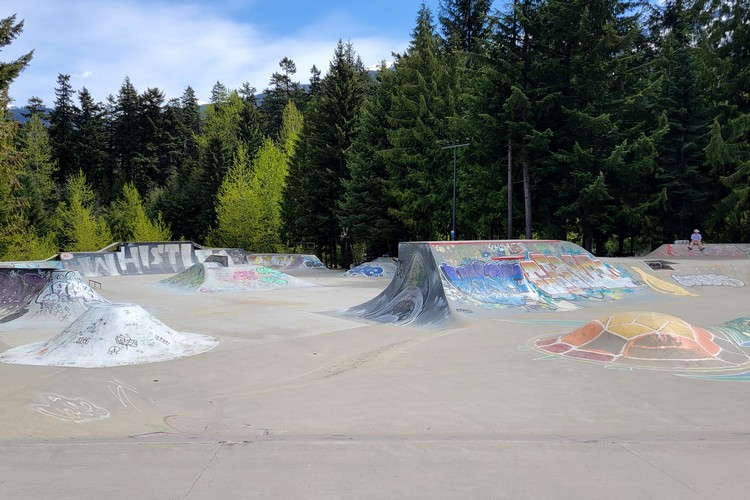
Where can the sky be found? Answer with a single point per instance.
(173, 44)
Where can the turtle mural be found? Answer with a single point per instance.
(647, 340)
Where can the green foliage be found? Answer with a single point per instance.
(248, 210)
(81, 227)
(129, 221)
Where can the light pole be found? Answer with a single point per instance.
(454, 146)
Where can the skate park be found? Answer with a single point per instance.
(504, 369)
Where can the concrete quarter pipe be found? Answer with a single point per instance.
(436, 280)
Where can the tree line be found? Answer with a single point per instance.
(619, 125)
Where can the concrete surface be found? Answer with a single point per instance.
(300, 402)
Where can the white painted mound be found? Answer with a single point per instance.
(111, 335)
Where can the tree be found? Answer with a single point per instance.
(424, 101)
(62, 128)
(464, 24)
(129, 221)
(366, 204)
(37, 175)
(283, 89)
(319, 163)
(9, 71)
(235, 205)
(82, 228)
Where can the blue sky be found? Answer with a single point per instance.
(173, 44)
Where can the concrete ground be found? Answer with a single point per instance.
(300, 403)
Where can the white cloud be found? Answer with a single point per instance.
(168, 46)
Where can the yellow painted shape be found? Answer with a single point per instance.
(631, 324)
(662, 286)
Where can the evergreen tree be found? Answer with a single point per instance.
(681, 160)
(464, 24)
(90, 146)
(82, 228)
(319, 164)
(9, 71)
(283, 89)
(130, 222)
(37, 177)
(62, 128)
(365, 205)
(424, 102)
(236, 206)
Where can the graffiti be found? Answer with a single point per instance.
(120, 391)
(113, 350)
(286, 261)
(18, 287)
(126, 341)
(161, 339)
(65, 297)
(366, 270)
(535, 279)
(133, 258)
(82, 341)
(489, 282)
(70, 409)
(707, 280)
(192, 277)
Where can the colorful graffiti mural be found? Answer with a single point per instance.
(529, 274)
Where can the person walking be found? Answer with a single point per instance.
(696, 240)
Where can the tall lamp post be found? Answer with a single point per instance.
(454, 146)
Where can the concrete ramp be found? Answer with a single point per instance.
(18, 288)
(111, 335)
(285, 261)
(65, 297)
(382, 267)
(214, 277)
(710, 251)
(438, 280)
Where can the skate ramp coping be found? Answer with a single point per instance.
(438, 281)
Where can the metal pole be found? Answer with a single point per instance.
(453, 232)
(454, 147)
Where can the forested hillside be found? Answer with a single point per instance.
(617, 125)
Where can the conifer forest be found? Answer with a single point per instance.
(617, 125)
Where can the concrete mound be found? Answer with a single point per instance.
(437, 280)
(382, 267)
(648, 340)
(111, 335)
(214, 277)
(64, 299)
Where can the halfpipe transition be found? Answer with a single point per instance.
(437, 280)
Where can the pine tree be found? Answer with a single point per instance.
(82, 228)
(424, 102)
(365, 204)
(319, 164)
(130, 222)
(62, 128)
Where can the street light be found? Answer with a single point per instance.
(454, 146)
